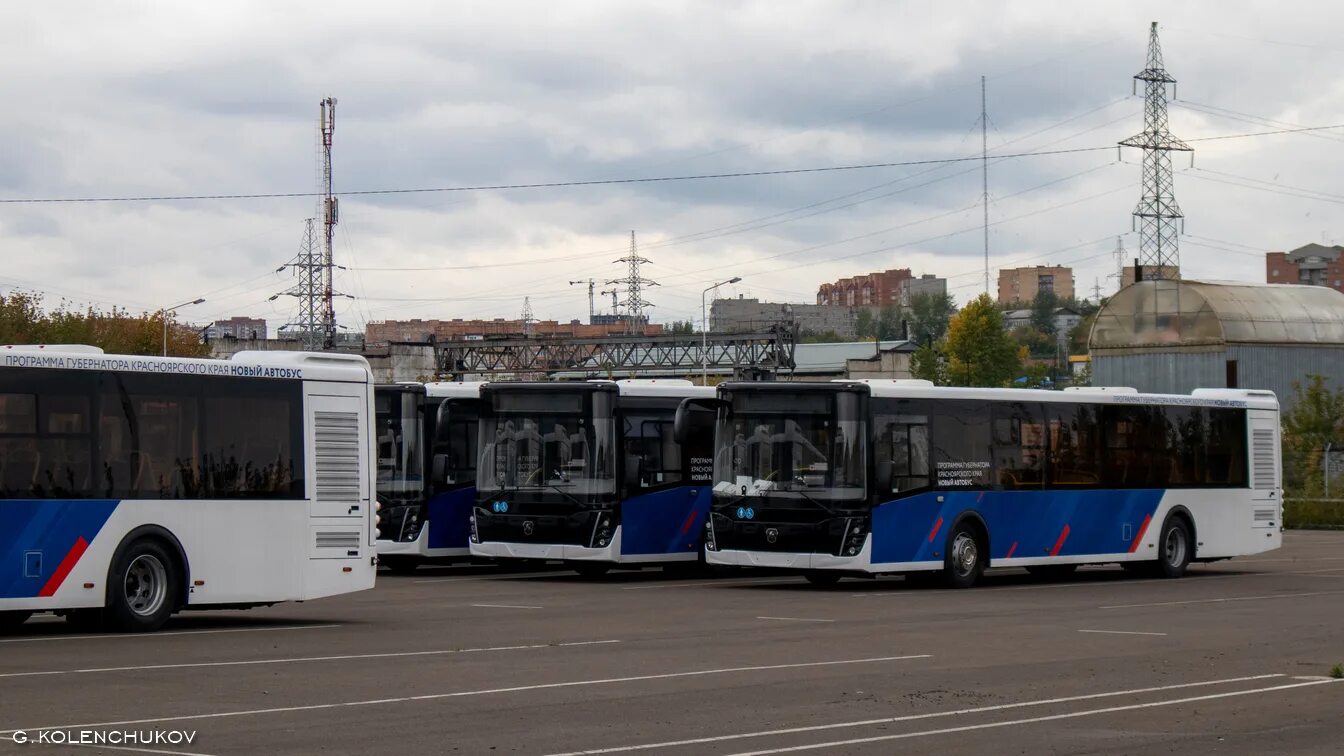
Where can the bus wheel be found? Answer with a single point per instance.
(400, 565)
(591, 569)
(1052, 571)
(964, 562)
(10, 621)
(825, 578)
(142, 588)
(1174, 548)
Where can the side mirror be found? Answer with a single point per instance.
(440, 469)
(682, 423)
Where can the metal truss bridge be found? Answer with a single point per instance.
(748, 356)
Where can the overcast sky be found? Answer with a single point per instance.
(116, 98)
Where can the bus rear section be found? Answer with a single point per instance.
(426, 439)
(958, 480)
(135, 487)
(590, 474)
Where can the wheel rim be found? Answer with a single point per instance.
(146, 585)
(1174, 546)
(965, 554)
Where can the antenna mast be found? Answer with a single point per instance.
(330, 216)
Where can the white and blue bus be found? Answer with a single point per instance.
(426, 436)
(866, 477)
(590, 473)
(132, 487)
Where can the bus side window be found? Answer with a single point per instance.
(902, 452)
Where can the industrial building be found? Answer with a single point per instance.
(742, 315)
(1175, 336)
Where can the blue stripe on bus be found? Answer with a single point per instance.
(1027, 523)
(448, 513)
(35, 535)
(664, 522)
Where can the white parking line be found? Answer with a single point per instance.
(913, 717)
(506, 606)
(118, 636)
(469, 693)
(294, 660)
(796, 619)
(1120, 632)
(1223, 600)
(1031, 720)
(709, 583)
(478, 578)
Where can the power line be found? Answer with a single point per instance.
(608, 182)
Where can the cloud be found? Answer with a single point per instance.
(137, 98)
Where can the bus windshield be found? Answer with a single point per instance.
(400, 431)
(807, 445)
(552, 441)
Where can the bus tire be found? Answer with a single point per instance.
(822, 578)
(591, 570)
(964, 559)
(143, 587)
(10, 621)
(1175, 547)
(1052, 571)
(400, 565)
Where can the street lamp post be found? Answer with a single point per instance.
(167, 310)
(704, 330)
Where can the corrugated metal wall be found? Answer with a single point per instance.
(1258, 367)
(1161, 372)
(1278, 367)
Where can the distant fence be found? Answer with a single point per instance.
(1318, 514)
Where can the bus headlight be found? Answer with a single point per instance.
(710, 545)
(855, 533)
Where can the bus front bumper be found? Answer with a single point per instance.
(861, 562)
(549, 551)
(418, 548)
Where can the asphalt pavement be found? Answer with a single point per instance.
(1234, 658)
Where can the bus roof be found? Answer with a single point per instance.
(330, 366)
(673, 388)
(909, 389)
(454, 389)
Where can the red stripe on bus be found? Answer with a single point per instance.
(934, 533)
(63, 569)
(1011, 549)
(1063, 534)
(686, 528)
(1134, 545)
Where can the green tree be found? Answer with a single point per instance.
(1043, 308)
(979, 351)
(1078, 337)
(1315, 421)
(929, 364)
(681, 327)
(820, 337)
(889, 323)
(1040, 346)
(929, 314)
(23, 320)
(864, 323)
